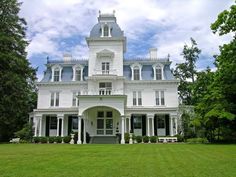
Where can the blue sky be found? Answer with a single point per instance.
(56, 27)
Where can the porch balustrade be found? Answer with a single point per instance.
(105, 72)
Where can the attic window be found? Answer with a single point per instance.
(106, 31)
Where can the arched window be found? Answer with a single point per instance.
(158, 72)
(78, 74)
(56, 77)
(106, 31)
(136, 73)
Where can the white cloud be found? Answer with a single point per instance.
(173, 22)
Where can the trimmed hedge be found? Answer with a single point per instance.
(43, 140)
(58, 139)
(138, 139)
(153, 139)
(126, 137)
(51, 139)
(67, 139)
(197, 140)
(145, 139)
(36, 139)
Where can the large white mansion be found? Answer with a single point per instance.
(107, 94)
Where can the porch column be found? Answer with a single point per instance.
(153, 126)
(84, 142)
(125, 127)
(62, 126)
(40, 126)
(176, 126)
(36, 126)
(122, 130)
(148, 126)
(58, 121)
(171, 126)
(79, 130)
(129, 123)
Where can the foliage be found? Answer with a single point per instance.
(138, 139)
(36, 139)
(43, 140)
(51, 139)
(23, 141)
(180, 138)
(145, 139)
(26, 133)
(66, 139)
(197, 140)
(153, 139)
(187, 71)
(58, 139)
(17, 89)
(126, 137)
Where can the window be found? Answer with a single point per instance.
(137, 122)
(158, 73)
(105, 67)
(106, 31)
(105, 88)
(54, 99)
(109, 114)
(100, 114)
(75, 123)
(77, 74)
(136, 73)
(160, 98)
(137, 98)
(75, 100)
(56, 75)
(161, 121)
(53, 122)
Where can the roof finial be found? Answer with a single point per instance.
(47, 58)
(114, 12)
(168, 57)
(99, 12)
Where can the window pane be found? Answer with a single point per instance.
(57, 99)
(109, 114)
(157, 98)
(109, 124)
(161, 121)
(56, 75)
(52, 99)
(100, 114)
(74, 99)
(158, 73)
(106, 30)
(74, 123)
(134, 98)
(100, 123)
(139, 98)
(138, 122)
(78, 75)
(136, 74)
(162, 98)
(53, 123)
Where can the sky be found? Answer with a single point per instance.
(56, 27)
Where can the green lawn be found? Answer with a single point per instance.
(144, 160)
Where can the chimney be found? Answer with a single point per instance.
(153, 53)
(67, 57)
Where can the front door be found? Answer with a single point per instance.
(104, 123)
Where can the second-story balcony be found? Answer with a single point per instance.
(103, 91)
(105, 72)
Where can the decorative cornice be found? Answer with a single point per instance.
(151, 81)
(61, 83)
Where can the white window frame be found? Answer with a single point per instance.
(137, 98)
(54, 68)
(160, 98)
(133, 66)
(106, 64)
(75, 100)
(78, 67)
(103, 30)
(154, 71)
(55, 99)
(106, 90)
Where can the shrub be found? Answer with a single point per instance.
(138, 139)
(43, 139)
(153, 139)
(126, 137)
(66, 139)
(51, 139)
(58, 139)
(180, 138)
(145, 139)
(197, 140)
(23, 141)
(25, 133)
(36, 139)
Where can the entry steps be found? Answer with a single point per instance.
(104, 140)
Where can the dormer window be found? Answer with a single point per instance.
(56, 73)
(106, 31)
(77, 73)
(158, 72)
(136, 71)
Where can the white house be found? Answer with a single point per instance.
(107, 94)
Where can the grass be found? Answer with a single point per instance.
(144, 160)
